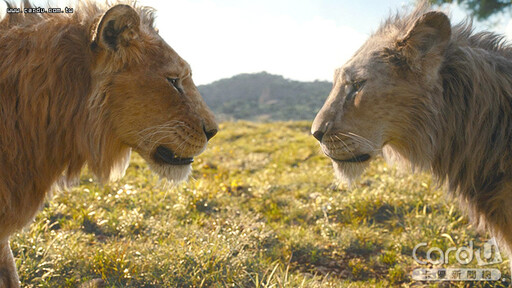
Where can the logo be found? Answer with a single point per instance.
(488, 255)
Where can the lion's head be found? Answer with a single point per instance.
(382, 95)
(146, 91)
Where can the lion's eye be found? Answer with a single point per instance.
(175, 82)
(358, 85)
(354, 88)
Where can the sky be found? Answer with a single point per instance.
(302, 40)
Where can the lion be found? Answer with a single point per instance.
(432, 96)
(87, 88)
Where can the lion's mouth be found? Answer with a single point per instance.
(355, 159)
(166, 156)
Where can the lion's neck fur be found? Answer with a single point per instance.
(464, 136)
(53, 119)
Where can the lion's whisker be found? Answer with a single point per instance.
(345, 145)
(359, 139)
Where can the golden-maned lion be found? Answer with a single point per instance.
(435, 96)
(86, 88)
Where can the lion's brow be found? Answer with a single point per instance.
(186, 70)
(345, 74)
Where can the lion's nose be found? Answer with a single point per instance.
(318, 135)
(319, 129)
(209, 132)
(321, 125)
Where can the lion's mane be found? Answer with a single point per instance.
(52, 119)
(463, 127)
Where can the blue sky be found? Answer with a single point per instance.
(301, 40)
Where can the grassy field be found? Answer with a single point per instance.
(261, 210)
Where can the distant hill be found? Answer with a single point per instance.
(265, 97)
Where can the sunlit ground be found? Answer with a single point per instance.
(261, 210)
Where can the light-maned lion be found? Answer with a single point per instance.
(86, 88)
(433, 96)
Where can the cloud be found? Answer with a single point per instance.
(221, 41)
(508, 30)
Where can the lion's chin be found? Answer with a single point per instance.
(173, 173)
(349, 172)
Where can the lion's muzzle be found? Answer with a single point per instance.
(355, 159)
(164, 155)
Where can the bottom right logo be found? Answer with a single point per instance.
(487, 255)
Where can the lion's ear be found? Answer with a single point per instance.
(427, 38)
(117, 28)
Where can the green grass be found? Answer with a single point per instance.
(261, 210)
